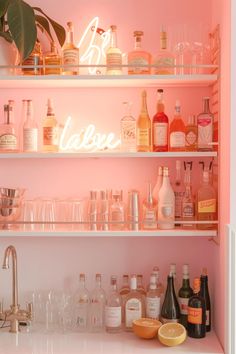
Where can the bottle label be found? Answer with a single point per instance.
(207, 317)
(195, 315)
(70, 57)
(50, 136)
(8, 142)
(143, 137)
(114, 61)
(167, 211)
(150, 221)
(30, 139)
(191, 138)
(81, 312)
(153, 307)
(207, 206)
(160, 134)
(205, 131)
(169, 320)
(138, 61)
(183, 304)
(177, 140)
(52, 71)
(113, 316)
(133, 311)
(188, 210)
(128, 135)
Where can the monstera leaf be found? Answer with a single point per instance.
(21, 22)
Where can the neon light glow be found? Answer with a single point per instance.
(86, 139)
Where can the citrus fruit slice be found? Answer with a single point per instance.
(172, 334)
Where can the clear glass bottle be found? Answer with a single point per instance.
(206, 202)
(170, 311)
(188, 204)
(70, 53)
(205, 121)
(156, 273)
(134, 304)
(144, 138)
(140, 286)
(128, 130)
(153, 300)
(34, 60)
(158, 184)
(166, 203)
(52, 58)
(164, 59)
(160, 125)
(30, 129)
(104, 206)
(113, 309)
(92, 211)
(8, 132)
(149, 211)
(114, 55)
(177, 131)
(133, 212)
(191, 134)
(179, 192)
(124, 291)
(50, 130)
(81, 302)
(185, 292)
(97, 306)
(117, 212)
(139, 57)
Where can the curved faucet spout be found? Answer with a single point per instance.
(10, 250)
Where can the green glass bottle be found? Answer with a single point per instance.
(185, 292)
(170, 311)
(205, 294)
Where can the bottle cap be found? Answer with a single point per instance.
(204, 271)
(160, 90)
(185, 269)
(70, 25)
(177, 103)
(138, 33)
(133, 282)
(98, 277)
(113, 28)
(50, 111)
(82, 277)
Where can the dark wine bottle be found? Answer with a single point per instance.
(205, 294)
(196, 313)
(170, 311)
(185, 292)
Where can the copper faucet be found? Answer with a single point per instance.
(14, 314)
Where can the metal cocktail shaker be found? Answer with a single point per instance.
(133, 210)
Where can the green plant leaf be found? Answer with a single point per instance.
(6, 36)
(44, 23)
(21, 22)
(3, 7)
(59, 30)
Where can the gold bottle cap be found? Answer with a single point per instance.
(113, 28)
(70, 24)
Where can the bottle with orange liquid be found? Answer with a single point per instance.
(177, 131)
(160, 125)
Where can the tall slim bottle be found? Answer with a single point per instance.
(113, 309)
(185, 292)
(160, 125)
(153, 300)
(128, 129)
(188, 204)
(144, 139)
(81, 303)
(166, 203)
(93, 211)
(70, 53)
(50, 130)
(170, 311)
(177, 130)
(205, 294)
(114, 55)
(158, 184)
(30, 130)
(179, 191)
(149, 211)
(97, 306)
(205, 121)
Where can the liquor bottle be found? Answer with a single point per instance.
(124, 291)
(179, 191)
(117, 212)
(173, 272)
(114, 55)
(81, 303)
(139, 57)
(97, 306)
(170, 311)
(92, 211)
(144, 143)
(158, 184)
(149, 211)
(191, 134)
(205, 121)
(188, 205)
(128, 129)
(70, 53)
(160, 125)
(50, 59)
(8, 132)
(196, 313)
(164, 60)
(133, 212)
(153, 302)
(50, 130)
(177, 131)
(33, 60)
(204, 292)
(206, 202)
(134, 304)
(113, 309)
(166, 203)
(30, 130)
(104, 206)
(140, 286)
(185, 292)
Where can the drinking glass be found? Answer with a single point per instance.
(46, 214)
(29, 215)
(77, 214)
(63, 214)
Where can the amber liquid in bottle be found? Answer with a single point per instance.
(177, 131)
(144, 143)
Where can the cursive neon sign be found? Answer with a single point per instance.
(86, 139)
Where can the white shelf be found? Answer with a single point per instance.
(112, 234)
(113, 154)
(62, 81)
(102, 343)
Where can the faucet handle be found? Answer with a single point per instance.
(29, 308)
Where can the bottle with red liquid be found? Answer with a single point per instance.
(160, 125)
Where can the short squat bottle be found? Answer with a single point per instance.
(113, 309)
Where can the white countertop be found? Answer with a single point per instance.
(102, 343)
